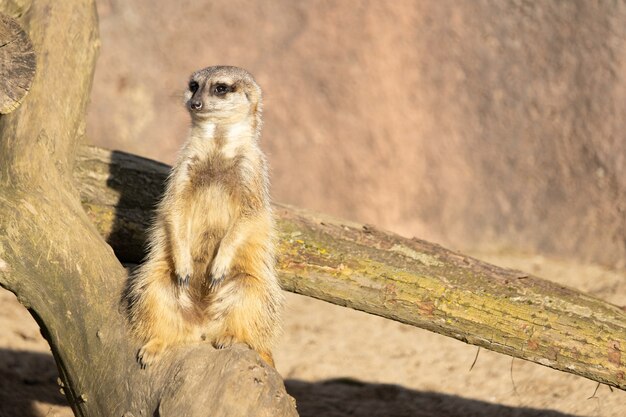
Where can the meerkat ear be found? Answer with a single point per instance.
(253, 101)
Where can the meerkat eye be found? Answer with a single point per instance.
(221, 89)
(193, 86)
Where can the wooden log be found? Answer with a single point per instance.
(408, 280)
(60, 268)
(17, 64)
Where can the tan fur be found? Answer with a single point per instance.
(214, 225)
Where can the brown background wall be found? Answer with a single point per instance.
(486, 125)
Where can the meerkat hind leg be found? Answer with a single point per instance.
(160, 317)
(247, 315)
(227, 340)
(151, 352)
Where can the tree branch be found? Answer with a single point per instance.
(407, 280)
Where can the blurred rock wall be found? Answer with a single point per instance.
(485, 125)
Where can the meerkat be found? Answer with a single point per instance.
(209, 269)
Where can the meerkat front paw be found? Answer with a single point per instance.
(220, 269)
(183, 266)
(224, 341)
(150, 353)
(183, 274)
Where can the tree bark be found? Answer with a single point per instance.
(54, 260)
(407, 280)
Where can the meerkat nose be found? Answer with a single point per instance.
(195, 105)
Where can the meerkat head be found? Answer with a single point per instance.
(223, 94)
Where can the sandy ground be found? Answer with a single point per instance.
(338, 362)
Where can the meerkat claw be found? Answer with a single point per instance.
(183, 281)
(216, 281)
(219, 270)
(139, 358)
(150, 353)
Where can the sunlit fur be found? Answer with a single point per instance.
(214, 225)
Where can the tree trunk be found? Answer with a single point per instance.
(408, 280)
(54, 260)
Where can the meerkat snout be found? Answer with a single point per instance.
(195, 105)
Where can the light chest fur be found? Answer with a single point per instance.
(220, 179)
(220, 174)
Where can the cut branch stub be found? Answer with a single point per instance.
(17, 64)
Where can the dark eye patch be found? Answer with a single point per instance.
(193, 86)
(221, 89)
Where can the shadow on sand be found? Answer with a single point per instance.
(353, 398)
(28, 377)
